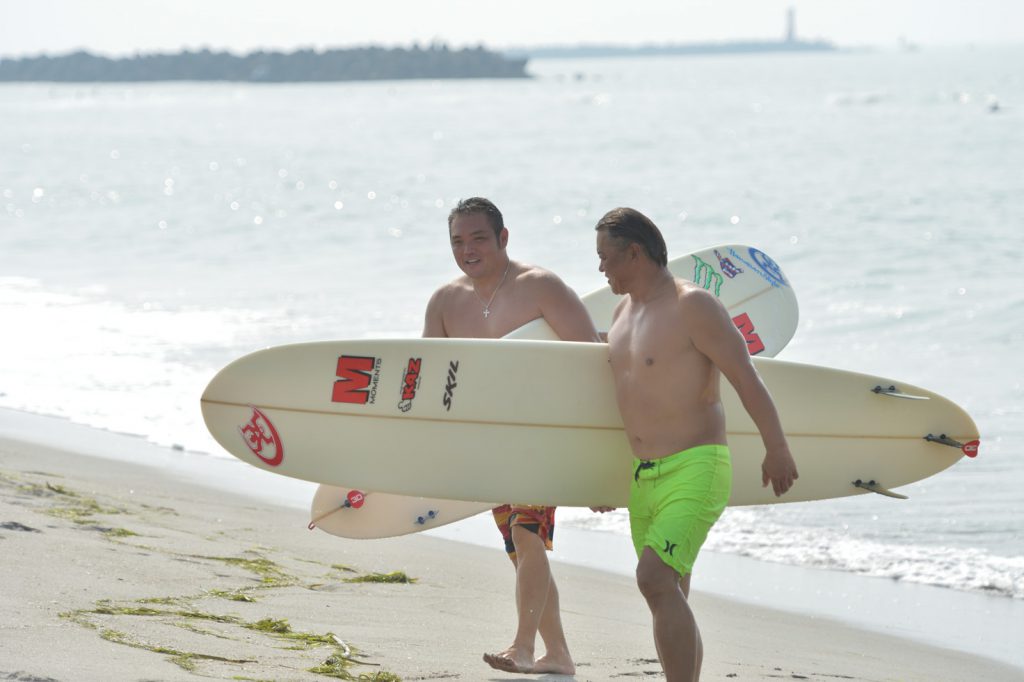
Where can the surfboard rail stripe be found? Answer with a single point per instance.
(410, 418)
(749, 298)
(513, 424)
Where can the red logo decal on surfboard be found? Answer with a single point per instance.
(357, 380)
(754, 343)
(971, 449)
(261, 437)
(410, 382)
(355, 499)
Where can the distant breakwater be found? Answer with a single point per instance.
(681, 49)
(302, 66)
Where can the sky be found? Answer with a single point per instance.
(119, 27)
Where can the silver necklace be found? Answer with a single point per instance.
(487, 306)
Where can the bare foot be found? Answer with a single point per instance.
(559, 665)
(510, 661)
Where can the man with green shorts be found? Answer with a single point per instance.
(675, 500)
(669, 343)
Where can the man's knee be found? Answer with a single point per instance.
(654, 577)
(527, 541)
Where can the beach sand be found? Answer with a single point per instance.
(116, 571)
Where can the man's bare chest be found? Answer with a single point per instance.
(468, 317)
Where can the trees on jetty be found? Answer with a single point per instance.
(363, 63)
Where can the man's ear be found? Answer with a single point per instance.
(634, 251)
(503, 238)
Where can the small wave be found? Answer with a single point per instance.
(746, 533)
(975, 570)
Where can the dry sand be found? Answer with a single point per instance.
(115, 571)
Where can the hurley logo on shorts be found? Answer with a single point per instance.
(410, 382)
(449, 389)
(670, 547)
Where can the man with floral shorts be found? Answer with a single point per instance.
(538, 520)
(494, 296)
(528, 532)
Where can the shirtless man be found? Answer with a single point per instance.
(495, 296)
(669, 342)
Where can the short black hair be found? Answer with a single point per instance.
(479, 205)
(628, 225)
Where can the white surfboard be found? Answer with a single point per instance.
(757, 289)
(748, 282)
(441, 417)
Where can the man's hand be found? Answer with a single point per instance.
(779, 468)
(602, 510)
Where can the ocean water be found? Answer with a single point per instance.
(149, 234)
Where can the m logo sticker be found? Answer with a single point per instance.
(754, 343)
(705, 276)
(357, 380)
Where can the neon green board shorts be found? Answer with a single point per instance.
(674, 501)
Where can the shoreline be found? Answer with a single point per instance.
(971, 623)
(107, 534)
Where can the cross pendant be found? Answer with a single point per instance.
(486, 312)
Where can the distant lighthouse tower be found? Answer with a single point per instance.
(791, 25)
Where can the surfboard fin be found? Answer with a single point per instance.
(894, 392)
(943, 439)
(970, 448)
(872, 486)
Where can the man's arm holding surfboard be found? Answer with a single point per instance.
(715, 335)
(562, 308)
